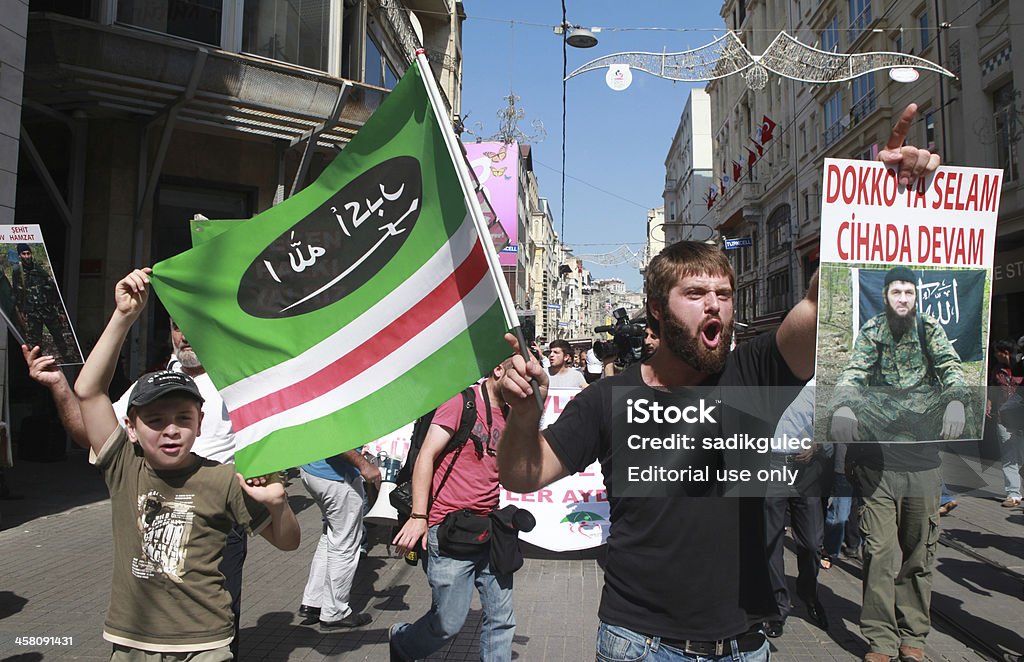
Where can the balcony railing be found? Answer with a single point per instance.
(832, 134)
(863, 108)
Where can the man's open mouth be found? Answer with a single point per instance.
(711, 332)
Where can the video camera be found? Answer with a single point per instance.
(627, 341)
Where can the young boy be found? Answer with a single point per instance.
(171, 510)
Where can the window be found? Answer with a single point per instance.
(744, 257)
(897, 42)
(833, 118)
(778, 291)
(296, 31)
(806, 196)
(922, 24)
(803, 139)
(746, 303)
(378, 72)
(198, 20)
(929, 131)
(830, 35)
(860, 17)
(863, 97)
(778, 231)
(1007, 132)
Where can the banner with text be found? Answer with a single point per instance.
(572, 513)
(904, 298)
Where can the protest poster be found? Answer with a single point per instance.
(572, 513)
(30, 300)
(904, 296)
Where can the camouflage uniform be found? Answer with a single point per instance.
(888, 386)
(36, 297)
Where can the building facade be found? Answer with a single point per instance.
(688, 173)
(138, 114)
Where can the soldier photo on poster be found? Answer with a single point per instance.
(906, 353)
(30, 301)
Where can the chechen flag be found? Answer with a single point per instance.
(354, 306)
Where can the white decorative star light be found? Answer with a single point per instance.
(785, 56)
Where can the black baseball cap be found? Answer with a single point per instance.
(155, 385)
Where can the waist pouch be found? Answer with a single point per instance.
(463, 534)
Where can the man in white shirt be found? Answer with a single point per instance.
(560, 375)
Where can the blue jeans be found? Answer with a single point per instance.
(617, 644)
(838, 514)
(451, 585)
(945, 496)
(1012, 457)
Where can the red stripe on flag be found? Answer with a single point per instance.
(445, 296)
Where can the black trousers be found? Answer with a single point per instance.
(808, 524)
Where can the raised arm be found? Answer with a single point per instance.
(283, 531)
(43, 369)
(130, 296)
(525, 459)
(799, 331)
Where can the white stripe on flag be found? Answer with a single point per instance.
(449, 325)
(439, 267)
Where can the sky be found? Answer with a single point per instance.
(616, 142)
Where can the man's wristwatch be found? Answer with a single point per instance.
(417, 516)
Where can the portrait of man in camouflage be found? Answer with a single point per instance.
(904, 380)
(38, 305)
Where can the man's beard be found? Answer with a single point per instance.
(187, 357)
(691, 349)
(900, 325)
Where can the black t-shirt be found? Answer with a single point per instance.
(682, 567)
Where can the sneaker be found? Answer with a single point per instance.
(851, 553)
(877, 657)
(1011, 502)
(309, 615)
(353, 620)
(946, 507)
(911, 654)
(773, 629)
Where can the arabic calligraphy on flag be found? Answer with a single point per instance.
(350, 308)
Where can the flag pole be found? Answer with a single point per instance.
(470, 191)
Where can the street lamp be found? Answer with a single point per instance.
(578, 36)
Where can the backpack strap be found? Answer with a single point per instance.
(467, 421)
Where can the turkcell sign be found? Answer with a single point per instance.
(738, 242)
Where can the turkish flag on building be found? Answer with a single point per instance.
(767, 127)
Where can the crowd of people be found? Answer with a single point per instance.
(686, 577)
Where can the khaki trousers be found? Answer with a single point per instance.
(900, 533)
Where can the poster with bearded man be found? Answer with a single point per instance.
(903, 313)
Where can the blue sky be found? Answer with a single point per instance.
(616, 142)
